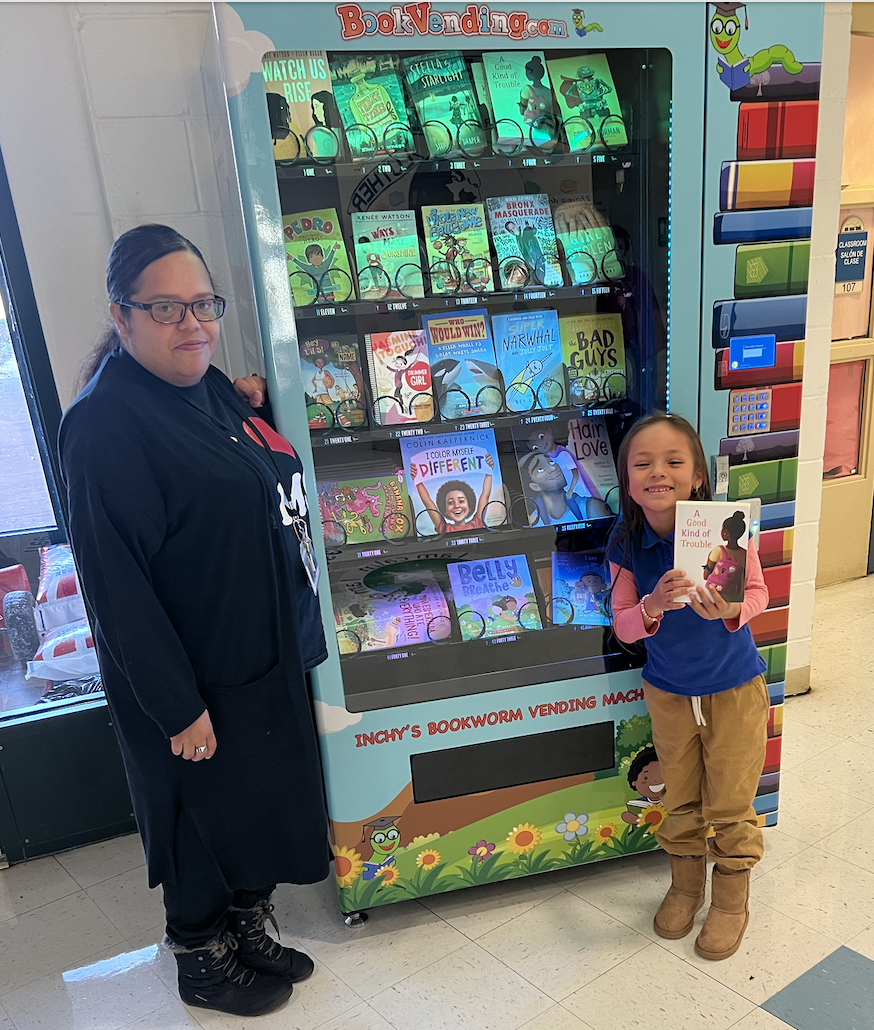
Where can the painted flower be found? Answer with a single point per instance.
(605, 832)
(652, 816)
(573, 826)
(481, 850)
(390, 874)
(428, 858)
(524, 838)
(347, 865)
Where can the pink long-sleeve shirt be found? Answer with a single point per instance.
(628, 623)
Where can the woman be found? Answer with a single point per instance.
(189, 524)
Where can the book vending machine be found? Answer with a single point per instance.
(475, 237)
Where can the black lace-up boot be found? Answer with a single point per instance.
(210, 977)
(259, 951)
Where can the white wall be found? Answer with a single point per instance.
(817, 348)
(102, 127)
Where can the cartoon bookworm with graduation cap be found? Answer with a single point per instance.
(385, 839)
(734, 69)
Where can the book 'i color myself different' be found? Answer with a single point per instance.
(521, 97)
(332, 381)
(524, 239)
(454, 482)
(593, 349)
(711, 539)
(445, 100)
(387, 254)
(457, 245)
(370, 98)
(400, 377)
(374, 621)
(580, 590)
(304, 120)
(463, 370)
(587, 100)
(494, 597)
(318, 265)
(528, 349)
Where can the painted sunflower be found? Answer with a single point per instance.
(605, 832)
(652, 817)
(524, 838)
(390, 874)
(428, 858)
(347, 865)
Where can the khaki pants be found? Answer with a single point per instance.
(712, 772)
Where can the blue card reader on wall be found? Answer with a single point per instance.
(752, 352)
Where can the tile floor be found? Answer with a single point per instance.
(563, 951)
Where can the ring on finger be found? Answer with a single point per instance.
(200, 750)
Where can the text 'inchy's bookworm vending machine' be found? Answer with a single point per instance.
(475, 237)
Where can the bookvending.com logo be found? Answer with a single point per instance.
(421, 19)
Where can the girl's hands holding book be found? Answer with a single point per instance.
(672, 585)
(711, 605)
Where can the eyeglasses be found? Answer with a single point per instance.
(169, 312)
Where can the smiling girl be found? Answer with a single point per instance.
(703, 685)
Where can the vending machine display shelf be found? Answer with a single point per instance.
(337, 437)
(533, 293)
(402, 163)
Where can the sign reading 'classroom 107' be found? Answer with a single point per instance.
(421, 19)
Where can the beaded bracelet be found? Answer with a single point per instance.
(647, 617)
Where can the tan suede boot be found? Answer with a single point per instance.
(729, 914)
(685, 897)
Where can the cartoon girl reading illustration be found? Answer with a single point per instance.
(726, 566)
(456, 507)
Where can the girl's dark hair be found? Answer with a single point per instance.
(447, 488)
(131, 254)
(735, 526)
(631, 520)
(641, 760)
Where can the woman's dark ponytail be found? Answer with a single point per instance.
(131, 254)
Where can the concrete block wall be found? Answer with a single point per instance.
(110, 133)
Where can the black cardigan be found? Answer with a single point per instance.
(200, 600)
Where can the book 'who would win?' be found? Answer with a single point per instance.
(400, 377)
(566, 471)
(524, 237)
(711, 539)
(494, 597)
(387, 254)
(454, 482)
(463, 370)
(373, 621)
(528, 351)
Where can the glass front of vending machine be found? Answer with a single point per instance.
(460, 225)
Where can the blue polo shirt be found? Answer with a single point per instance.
(687, 654)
